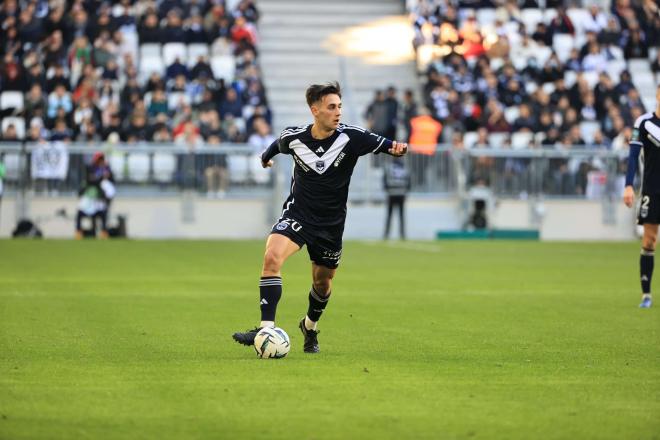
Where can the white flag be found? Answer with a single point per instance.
(50, 161)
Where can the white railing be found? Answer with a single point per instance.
(151, 169)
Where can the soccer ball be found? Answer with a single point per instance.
(271, 343)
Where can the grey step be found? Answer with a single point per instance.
(295, 32)
(322, 59)
(293, 84)
(290, 45)
(318, 20)
(292, 55)
(361, 8)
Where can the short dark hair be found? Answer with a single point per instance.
(316, 92)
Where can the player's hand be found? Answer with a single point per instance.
(628, 196)
(398, 148)
(267, 164)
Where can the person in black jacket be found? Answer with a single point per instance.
(397, 184)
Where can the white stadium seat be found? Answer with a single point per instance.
(150, 50)
(548, 88)
(238, 168)
(147, 99)
(563, 44)
(543, 54)
(614, 69)
(470, 139)
(531, 17)
(496, 63)
(569, 78)
(578, 16)
(195, 51)
(12, 163)
(221, 46)
(138, 167)
(164, 167)
(521, 140)
(224, 66)
(11, 99)
(498, 140)
(172, 51)
(549, 14)
(531, 87)
(519, 63)
(616, 52)
(485, 16)
(649, 102)
(539, 137)
(174, 100)
(118, 165)
(258, 173)
(151, 64)
(511, 114)
(588, 129)
(591, 77)
(19, 124)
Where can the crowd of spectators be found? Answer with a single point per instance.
(78, 66)
(509, 76)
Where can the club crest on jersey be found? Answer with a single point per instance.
(281, 226)
(320, 165)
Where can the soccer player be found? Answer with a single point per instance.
(646, 137)
(324, 155)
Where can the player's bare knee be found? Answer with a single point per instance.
(323, 286)
(273, 261)
(648, 242)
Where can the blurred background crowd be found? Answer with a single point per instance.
(131, 71)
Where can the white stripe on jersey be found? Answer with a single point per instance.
(381, 143)
(311, 159)
(288, 204)
(644, 117)
(654, 132)
(291, 131)
(295, 133)
(352, 127)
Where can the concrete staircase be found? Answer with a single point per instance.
(298, 44)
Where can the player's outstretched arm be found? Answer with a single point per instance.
(269, 153)
(633, 162)
(398, 148)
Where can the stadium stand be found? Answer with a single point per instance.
(130, 71)
(578, 72)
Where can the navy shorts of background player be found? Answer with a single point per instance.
(315, 211)
(646, 138)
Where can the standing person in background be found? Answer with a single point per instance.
(392, 113)
(425, 134)
(646, 137)
(409, 111)
(397, 184)
(377, 113)
(325, 154)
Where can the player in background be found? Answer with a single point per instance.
(646, 138)
(325, 154)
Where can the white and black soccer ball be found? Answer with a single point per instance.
(271, 342)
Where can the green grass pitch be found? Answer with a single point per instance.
(458, 340)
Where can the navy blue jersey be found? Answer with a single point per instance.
(323, 170)
(646, 134)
